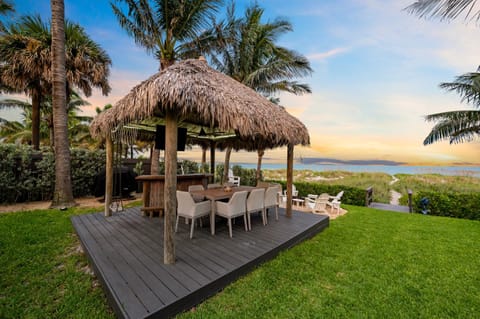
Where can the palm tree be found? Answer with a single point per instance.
(78, 126)
(161, 27)
(25, 56)
(445, 9)
(245, 49)
(62, 194)
(458, 126)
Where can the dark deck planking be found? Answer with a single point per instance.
(389, 207)
(126, 253)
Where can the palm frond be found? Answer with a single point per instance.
(445, 9)
(455, 126)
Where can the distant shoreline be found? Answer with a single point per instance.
(473, 171)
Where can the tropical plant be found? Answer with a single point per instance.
(455, 126)
(462, 125)
(445, 9)
(25, 56)
(63, 192)
(78, 126)
(161, 27)
(246, 49)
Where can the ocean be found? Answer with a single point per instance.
(473, 171)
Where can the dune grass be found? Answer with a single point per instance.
(368, 264)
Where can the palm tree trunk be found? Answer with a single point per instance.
(259, 165)
(226, 166)
(63, 195)
(36, 100)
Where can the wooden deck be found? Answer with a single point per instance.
(126, 253)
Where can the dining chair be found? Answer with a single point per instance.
(235, 207)
(188, 209)
(271, 200)
(199, 187)
(256, 203)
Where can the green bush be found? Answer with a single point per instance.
(351, 195)
(28, 175)
(247, 175)
(459, 205)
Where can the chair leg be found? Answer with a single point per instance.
(245, 222)
(230, 226)
(264, 221)
(276, 212)
(191, 228)
(176, 223)
(249, 221)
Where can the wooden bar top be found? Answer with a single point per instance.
(162, 177)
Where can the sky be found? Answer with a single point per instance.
(376, 74)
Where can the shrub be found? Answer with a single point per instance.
(351, 196)
(459, 205)
(28, 175)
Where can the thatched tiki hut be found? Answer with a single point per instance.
(192, 92)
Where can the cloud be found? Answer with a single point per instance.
(325, 55)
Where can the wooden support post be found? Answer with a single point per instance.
(289, 179)
(170, 190)
(108, 176)
(410, 201)
(226, 166)
(212, 160)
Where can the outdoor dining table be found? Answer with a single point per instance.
(214, 194)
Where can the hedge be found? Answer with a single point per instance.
(28, 175)
(458, 205)
(351, 196)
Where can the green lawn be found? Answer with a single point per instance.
(367, 264)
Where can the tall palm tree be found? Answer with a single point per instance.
(445, 9)
(246, 49)
(62, 194)
(162, 27)
(25, 56)
(462, 125)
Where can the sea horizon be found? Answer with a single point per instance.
(455, 170)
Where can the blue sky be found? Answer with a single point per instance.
(376, 74)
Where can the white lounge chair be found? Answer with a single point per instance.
(319, 204)
(294, 191)
(255, 203)
(235, 207)
(234, 180)
(188, 209)
(335, 202)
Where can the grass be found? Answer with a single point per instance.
(368, 264)
(43, 274)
